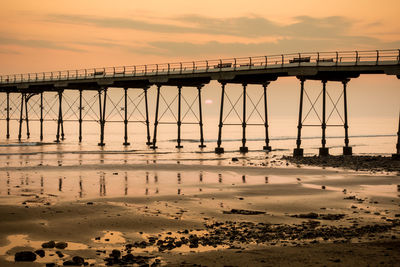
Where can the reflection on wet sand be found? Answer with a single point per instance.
(82, 185)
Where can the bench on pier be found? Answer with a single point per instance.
(97, 73)
(300, 59)
(325, 60)
(246, 65)
(223, 65)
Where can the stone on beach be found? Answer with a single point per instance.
(50, 244)
(25, 256)
(40, 252)
(243, 212)
(61, 245)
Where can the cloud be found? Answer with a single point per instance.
(120, 23)
(34, 43)
(251, 27)
(285, 45)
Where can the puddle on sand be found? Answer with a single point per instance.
(380, 190)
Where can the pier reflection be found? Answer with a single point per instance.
(93, 184)
(102, 183)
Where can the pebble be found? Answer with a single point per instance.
(50, 244)
(61, 245)
(25, 256)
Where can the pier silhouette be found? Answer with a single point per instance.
(326, 67)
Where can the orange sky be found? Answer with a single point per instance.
(50, 35)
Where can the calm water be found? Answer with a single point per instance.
(368, 135)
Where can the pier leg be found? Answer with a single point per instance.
(20, 116)
(62, 120)
(153, 146)
(80, 116)
(102, 116)
(267, 147)
(147, 116)
(59, 116)
(244, 148)
(201, 118)
(41, 116)
(347, 150)
(179, 122)
(219, 149)
(298, 152)
(8, 115)
(28, 134)
(126, 118)
(323, 151)
(397, 155)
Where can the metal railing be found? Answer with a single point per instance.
(344, 58)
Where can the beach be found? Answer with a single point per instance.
(200, 214)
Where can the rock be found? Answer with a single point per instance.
(243, 212)
(52, 264)
(25, 256)
(70, 263)
(61, 245)
(78, 260)
(235, 159)
(60, 254)
(323, 187)
(89, 203)
(115, 254)
(331, 217)
(50, 244)
(40, 252)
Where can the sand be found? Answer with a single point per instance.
(307, 217)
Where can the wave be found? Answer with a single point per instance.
(281, 138)
(27, 144)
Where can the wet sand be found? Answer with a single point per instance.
(233, 216)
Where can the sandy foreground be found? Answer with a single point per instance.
(290, 217)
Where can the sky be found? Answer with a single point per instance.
(49, 35)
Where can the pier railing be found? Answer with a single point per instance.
(343, 58)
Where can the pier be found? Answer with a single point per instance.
(21, 91)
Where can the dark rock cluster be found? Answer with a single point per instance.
(116, 258)
(364, 163)
(312, 215)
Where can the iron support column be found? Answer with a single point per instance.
(219, 149)
(41, 116)
(126, 118)
(244, 148)
(397, 155)
(347, 150)
(59, 116)
(201, 118)
(323, 151)
(147, 116)
(156, 118)
(102, 116)
(8, 115)
(267, 147)
(80, 115)
(28, 134)
(179, 122)
(298, 152)
(20, 116)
